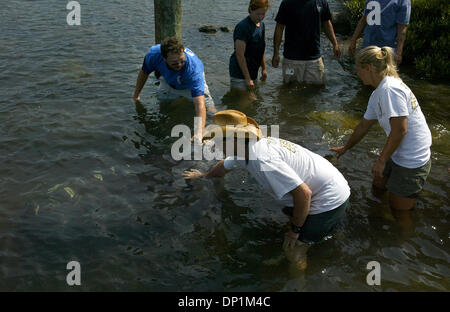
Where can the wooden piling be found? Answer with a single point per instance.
(167, 19)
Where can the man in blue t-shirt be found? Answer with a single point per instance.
(183, 76)
(384, 23)
(303, 20)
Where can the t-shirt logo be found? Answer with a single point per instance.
(414, 103)
(189, 52)
(319, 8)
(288, 145)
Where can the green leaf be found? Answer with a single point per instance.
(69, 191)
(54, 188)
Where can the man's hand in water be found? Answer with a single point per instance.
(290, 239)
(193, 174)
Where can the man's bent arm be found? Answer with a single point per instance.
(358, 31)
(302, 201)
(141, 80)
(200, 112)
(329, 32)
(277, 38)
(401, 37)
(217, 171)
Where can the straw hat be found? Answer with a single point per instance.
(233, 123)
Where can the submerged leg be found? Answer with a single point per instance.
(400, 208)
(401, 203)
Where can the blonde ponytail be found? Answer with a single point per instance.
(382, 59)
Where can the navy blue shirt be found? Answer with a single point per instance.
(254, 38)
(303, 19)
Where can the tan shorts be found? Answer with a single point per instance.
(166, 92)
(310, 72)
(236, 83)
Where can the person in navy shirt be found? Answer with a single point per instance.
(386, 29)
(249, 46)
(303, 21)
(183, 76)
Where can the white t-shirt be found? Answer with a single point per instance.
(280, 166)
(392, 98)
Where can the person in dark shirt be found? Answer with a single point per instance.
(303, 21)
(249, 46)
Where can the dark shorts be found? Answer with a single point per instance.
(405, 182)
(318, 226)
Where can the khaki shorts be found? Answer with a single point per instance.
(166, 92)
(310, 72)
(405, 182)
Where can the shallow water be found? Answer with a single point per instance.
(87, 175)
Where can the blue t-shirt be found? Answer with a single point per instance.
(393, 12)
(190, 76)
(255, 44)
(303, 20)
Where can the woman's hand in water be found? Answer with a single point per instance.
(340, 150)
(263, 75)
(378, 168)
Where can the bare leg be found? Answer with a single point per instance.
(401, 203)
(400, 207)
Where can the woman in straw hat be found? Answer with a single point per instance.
(313, 192)
(404, 163)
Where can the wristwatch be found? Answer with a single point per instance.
(295, 229)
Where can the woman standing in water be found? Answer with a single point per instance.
(249, 46)
(404, 163)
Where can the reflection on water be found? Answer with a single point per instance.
(87, 175)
